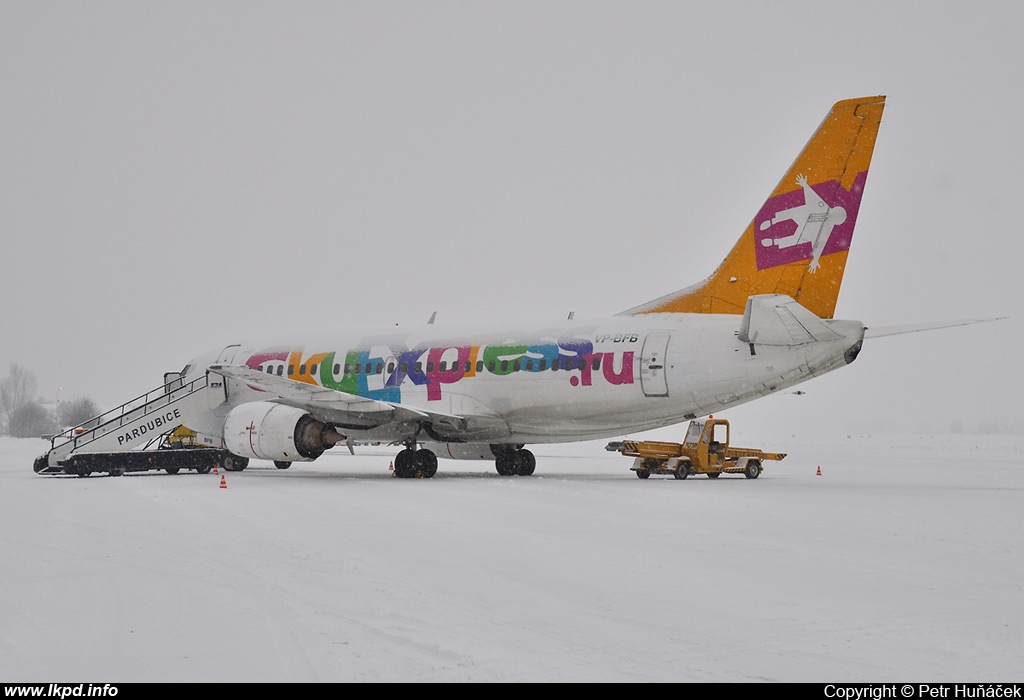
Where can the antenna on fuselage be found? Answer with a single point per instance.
(432, 317)
(571, 314)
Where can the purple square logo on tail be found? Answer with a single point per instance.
(807, 223)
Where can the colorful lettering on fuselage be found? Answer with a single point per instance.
(380, 370)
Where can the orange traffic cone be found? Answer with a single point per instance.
(391, 466)
(223, 483)
(215, 472)
(819, 471)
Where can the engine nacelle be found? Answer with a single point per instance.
(264, 430)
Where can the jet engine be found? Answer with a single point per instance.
(264, 430)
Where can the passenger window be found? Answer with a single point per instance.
(529, 365)
(291, 370)
(419, 368)
(359, 367)
(405, 368)
(504, 365)
(597, 363)
(280, 370)
(444, 366)
(337, 369)
(312, 369)
(491, 365)
(430, 367)
(479, 366)
(515, 366)
(348, 368)
(380, 368)
(543, 365)
(391, 367)
(302, 370)
(554, 365)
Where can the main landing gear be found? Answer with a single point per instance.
(415, 464)
(518, 462)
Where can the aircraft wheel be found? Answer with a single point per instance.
(642, 474)
(172, 470)
(405, 464)
(233, 463)
(753, 469)
(505, 463)
(426, 464)
(682, 471)
(525, 463)
(714, 475)
(282, 465)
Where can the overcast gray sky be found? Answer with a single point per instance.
(177, 176)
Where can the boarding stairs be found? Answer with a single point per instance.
(110, 441)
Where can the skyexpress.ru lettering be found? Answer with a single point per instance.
(167, 419)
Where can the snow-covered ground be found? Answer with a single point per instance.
(900, 561)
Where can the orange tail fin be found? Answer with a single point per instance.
(798, 242)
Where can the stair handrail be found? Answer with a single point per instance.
(88, 429)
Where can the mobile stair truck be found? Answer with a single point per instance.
(144, 434)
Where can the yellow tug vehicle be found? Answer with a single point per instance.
(705, 450)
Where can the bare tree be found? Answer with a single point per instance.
(31, 420)
(17, 390)
(76, 411)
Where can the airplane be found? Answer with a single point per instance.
(762, 322)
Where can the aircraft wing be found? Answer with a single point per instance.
(337, 407)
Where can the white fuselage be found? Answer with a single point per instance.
(613, 375)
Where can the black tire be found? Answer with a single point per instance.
(112, 472)
(41, 464)
(505, 463)
(525, 463)
(234, 463)
(405, 464)
(172, 470)
(682, 471)
(282, 465)
(642, 474)
(714, 475)
(204, 469)
(426, 464)
(753, 469)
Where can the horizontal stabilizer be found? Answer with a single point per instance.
(882, 331)
(775, 319)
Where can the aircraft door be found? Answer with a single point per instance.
(227, 356)
(653, 356)
(218, 383)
